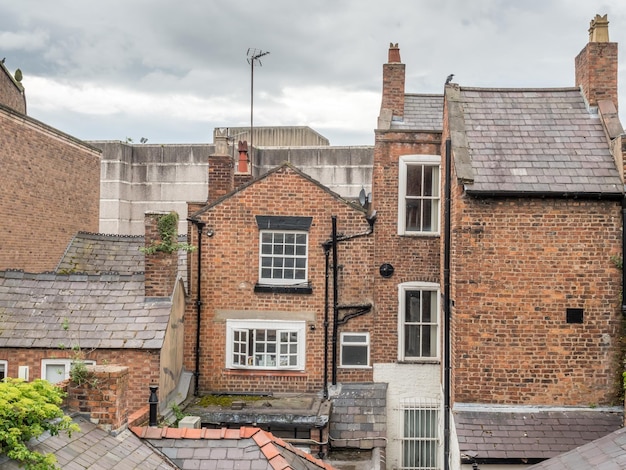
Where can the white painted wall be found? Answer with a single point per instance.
(406, 382)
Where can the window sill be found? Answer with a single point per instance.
(278, 289)
(434, 360)
(419, 234)
(266, 372)
(355, 367)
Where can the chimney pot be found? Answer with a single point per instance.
(394, 54)
(599, 29)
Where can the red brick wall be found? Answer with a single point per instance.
(221, 176)
(10, 94)
(161, 268)
(143, 366)
(596, 72)
(414, 258)
(393, 84)
(517, 265)
(230, 272)
(50, 191)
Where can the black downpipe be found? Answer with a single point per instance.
(200, 226)
(335, 300)
(623, 254)
(327, 274)
(447, 308)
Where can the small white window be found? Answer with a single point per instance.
(283, 257)
(418, 194)
(4, 367)
(355, 349)
(418, 321)
(57, 370)
(259, 344)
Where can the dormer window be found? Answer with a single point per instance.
(418, 194)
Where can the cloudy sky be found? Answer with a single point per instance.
(171, 71)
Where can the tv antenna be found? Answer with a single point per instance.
(254, 55)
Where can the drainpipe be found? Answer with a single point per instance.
(335, 302)
(200, 226)
(326, 323)
(447, 308)
(623, 255)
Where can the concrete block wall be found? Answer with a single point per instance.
(140, 178)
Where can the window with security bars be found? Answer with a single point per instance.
(283, 257)
(420, 437)
(254, 345)
(418, 199)
(418, 320)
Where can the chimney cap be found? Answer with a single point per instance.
(394, 54)
(599, 29)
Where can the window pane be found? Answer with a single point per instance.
(55, 373)
(413, 214)
(414, 180)
(413, 306)
(290, 238)
(428, 181)
(354, 355)
(412, 341)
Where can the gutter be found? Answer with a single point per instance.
(447, 305)
(200, 226)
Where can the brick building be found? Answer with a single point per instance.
(537, 184)
(42, 203)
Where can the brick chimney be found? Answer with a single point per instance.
(596, 65)
(221, 174)
(161, 267)
(392, 105)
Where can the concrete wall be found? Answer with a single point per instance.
(145, 178)
(344, 170)
(293, 136)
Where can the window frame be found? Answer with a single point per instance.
(403, 288)
(235, 326)
(365, 344)
(416, 443)
(418, 160)
(271, 281)
(66, 363)
(4, 364)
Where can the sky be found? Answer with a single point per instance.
(172, 71)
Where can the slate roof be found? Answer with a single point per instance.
(95, 253)
(421, 112)
(106, 311)
(529, 141)
(606, 453)
(246, 448)
(502, 432)
(94, 448)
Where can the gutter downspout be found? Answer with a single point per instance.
(200, 226)
(335, 302)
(326, 275)
(447, 307)
(623, 254)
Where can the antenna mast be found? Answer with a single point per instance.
(254, 55)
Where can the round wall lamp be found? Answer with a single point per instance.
(386, 270)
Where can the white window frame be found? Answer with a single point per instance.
(234, 330)
(263, 279)
(365, 343)
(413, 444)
(419, 160)
(66, 363)
(434, 335)
(4, 364)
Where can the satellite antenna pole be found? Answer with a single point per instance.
(254, 55)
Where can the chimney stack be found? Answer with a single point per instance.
(392, 105)
(221, 171)
(161, 263)
(596, 65)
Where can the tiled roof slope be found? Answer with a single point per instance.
(95, 449)
(606, 453)
(534, 141)
(247, 448)
(421, 112)
(530, 433)
(95, 253)
(106, 311)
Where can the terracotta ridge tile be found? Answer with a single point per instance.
(261, 438)
(279, 463)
